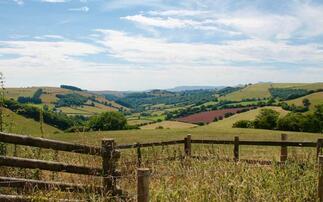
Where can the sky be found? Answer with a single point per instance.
(148, 44)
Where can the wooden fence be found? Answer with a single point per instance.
(108, 171)
(109, 151)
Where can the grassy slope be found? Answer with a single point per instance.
(49, 97)
(261, 90)
(169, 125)
(15, 123)
(250, 115)
(315, 99)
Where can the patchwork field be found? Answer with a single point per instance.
(261, 90)
(49, 97)
(209, 116)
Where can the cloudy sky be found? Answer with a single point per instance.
(145, 44)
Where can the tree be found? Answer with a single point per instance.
(292, 122)
(267, 119)
(243, 124)
(306, 102)
(318, 114)
(108, 121)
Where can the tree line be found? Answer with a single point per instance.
(293, 121)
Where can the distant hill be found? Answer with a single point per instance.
(188, 88)
(261, 90)
(94, 103)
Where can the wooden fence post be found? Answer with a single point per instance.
(143, 184)
(236, 148)
(320, 183)
(109, 157)
(187, 145)
(138, 154)
(283, 150)
(319, 145)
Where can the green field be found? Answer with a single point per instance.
(15, 123)
(49, 98)
(261, 90)
(168, 125)
(315, 99)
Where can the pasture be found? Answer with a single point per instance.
(261, 90)
(314, 98)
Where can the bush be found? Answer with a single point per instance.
(267, 119)
(243, 124)
(108, 121)
(292, 122)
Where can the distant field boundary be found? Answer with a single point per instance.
(109, 151)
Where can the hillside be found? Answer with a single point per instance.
(315, 99)
(249, 115)
(95, 103)
(15, 123)
(261, 90)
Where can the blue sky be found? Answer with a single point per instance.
(145, 44)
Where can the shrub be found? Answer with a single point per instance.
(108, 121)
(243, 124)
(267, 119)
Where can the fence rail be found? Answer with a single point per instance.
(40, 184)
(108, 172)
(48, 165)
(49, 144)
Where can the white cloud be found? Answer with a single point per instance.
(179, 13)
(302, 19)
(44, 37)
(140, 49)
(82, 9)
(19, 2)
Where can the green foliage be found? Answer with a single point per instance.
(35, 99)
(306, 102)
(69, 100)
(58, 120)
(293, 107)
(243, 124)
(139, 101)
(71, 87)
(107, 121)
(287, 93)
(267, 119)
(293, 121)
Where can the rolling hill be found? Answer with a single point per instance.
(314, 98)
(261, 90)
(249, 115)
(15, 123)
(95, 103)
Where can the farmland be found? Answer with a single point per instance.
(261, 90)
(168, 125)
(315, 99)
(183, 179)
(208, 117)
(49, 98)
